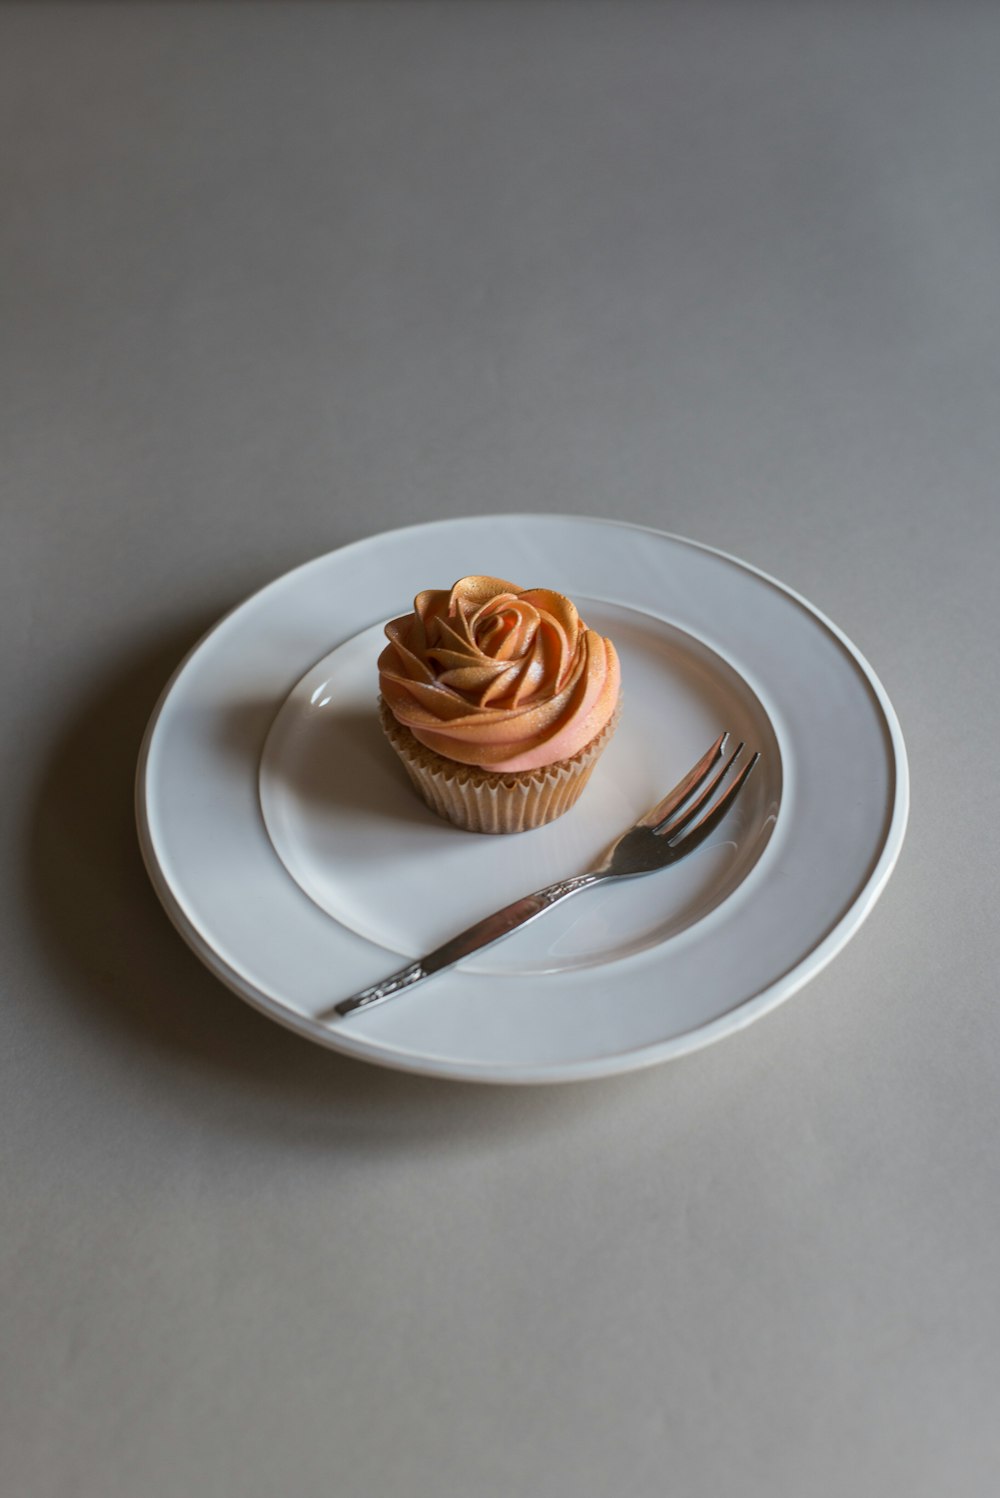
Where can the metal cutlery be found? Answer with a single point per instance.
(668, 832)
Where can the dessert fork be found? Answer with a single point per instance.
(669, 831)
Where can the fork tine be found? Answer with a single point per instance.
(688, 813)
(673, 799)
(688, 837)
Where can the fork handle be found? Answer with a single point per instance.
(483, 934)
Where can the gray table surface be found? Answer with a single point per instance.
(275, 278)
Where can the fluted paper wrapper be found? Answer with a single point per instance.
(488, 800)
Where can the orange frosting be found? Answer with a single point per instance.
(489, 675)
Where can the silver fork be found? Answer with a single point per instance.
(668, 832)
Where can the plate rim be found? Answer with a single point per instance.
(748, 1009)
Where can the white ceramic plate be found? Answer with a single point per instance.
(282, 836)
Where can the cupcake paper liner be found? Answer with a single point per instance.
(488, 800)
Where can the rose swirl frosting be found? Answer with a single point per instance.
(492, 676)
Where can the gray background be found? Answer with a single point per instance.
(275, 278)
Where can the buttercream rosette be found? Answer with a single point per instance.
(498, 700)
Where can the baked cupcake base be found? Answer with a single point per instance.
(488, 800)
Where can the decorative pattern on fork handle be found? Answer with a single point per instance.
(387, 987)
(556, 892)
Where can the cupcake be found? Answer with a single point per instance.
(498, 700)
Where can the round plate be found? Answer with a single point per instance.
(281, 833)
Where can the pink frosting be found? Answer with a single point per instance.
(490, 675)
